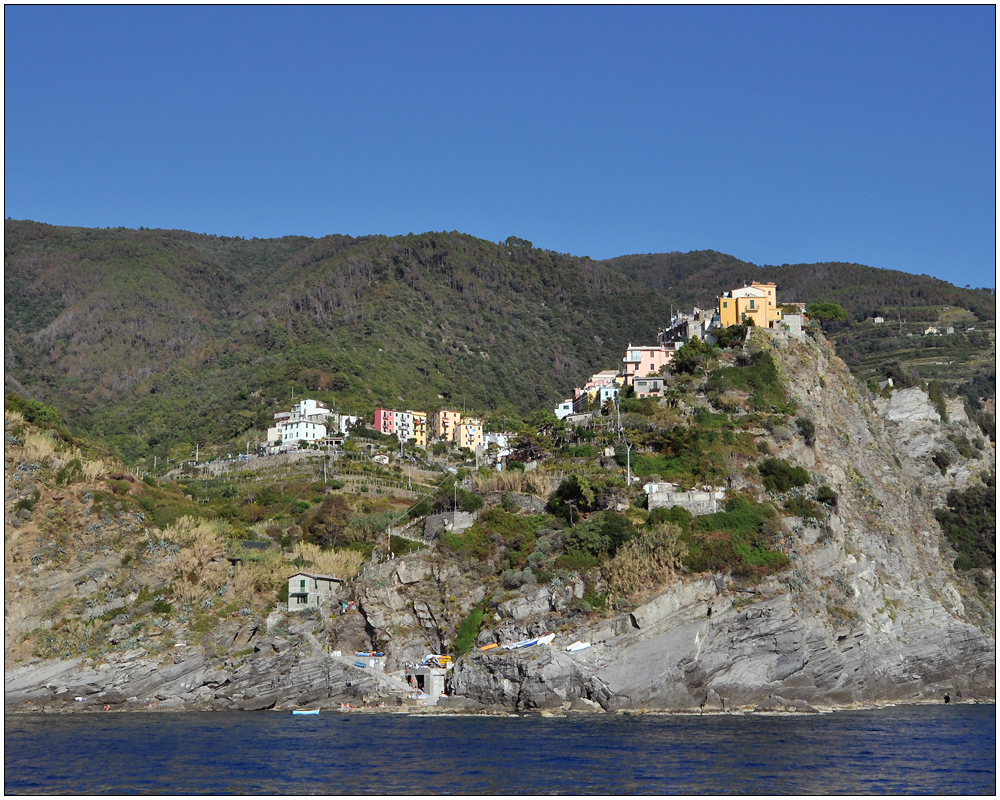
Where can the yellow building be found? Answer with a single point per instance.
(419, 429)
(443, 424)
(469, 433)
(757, 302)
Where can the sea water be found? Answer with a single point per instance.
(942, 749)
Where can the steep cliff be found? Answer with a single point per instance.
(870, 610)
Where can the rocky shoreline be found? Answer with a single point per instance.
(446, 711)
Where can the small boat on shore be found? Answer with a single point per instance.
(305, 712)
(544, 639)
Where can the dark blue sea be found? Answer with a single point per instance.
(944, 749)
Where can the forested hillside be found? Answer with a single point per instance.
(153, 340)
(697, 278)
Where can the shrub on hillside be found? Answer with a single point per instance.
(740, 540)
(942, 460)
(807, 429)
(935, 392)
(780, 476)
(600, 535)
(969, 523)
(802, 507)
(760, 379)
(34, 412)
(827, 496)
(468, 630)
(574, 496)
(421, 509)
(692, 357)
(733, 336)
(447, 496)
(678, 515)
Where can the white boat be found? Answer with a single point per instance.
(546, 639)
(305, 712)
(520, 644)
(577, 646)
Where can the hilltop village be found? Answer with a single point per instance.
(642, 367)
(311, 423)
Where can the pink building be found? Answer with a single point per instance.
(385, 420)
(641, 362)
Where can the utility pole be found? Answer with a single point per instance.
(618, 408)
(628, 461)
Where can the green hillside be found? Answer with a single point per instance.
(153, 340)
(697, 278)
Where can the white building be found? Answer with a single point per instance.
(494, 448)
(296, 431)
(306, 408)
(501, 440)
(309, 420)
(339, 423)
(564, 409)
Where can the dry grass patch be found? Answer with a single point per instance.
(515, 481)
(198, 571)
(338, 563)
(648, 561)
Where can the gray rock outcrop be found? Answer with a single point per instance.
(279, 674)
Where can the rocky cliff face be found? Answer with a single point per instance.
(240, 667)
(870, 609)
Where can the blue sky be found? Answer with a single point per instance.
(775, 134)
